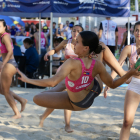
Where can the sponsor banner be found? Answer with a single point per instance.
(28, 6)
(19, 39)
(116, 8)
(113, 8)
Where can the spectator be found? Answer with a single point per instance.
(54, 29)
(22, 32)
(27, 28)
(57, 56)
(108, 34)
(32, 57)
(125, 38)
(59, 29)
(16, 50)
(13, 29)
(44, 41)
(32, 31)
(45, 30)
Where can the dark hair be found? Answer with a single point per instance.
(4, 24)
(58, 39)
(54, 22)
(72, 23)
(137, 23)
(79, 26)
(37, 26)
(14, 41)
(91, 39)
(28, 40)
(126, 25)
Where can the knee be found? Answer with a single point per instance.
(128, 122)
(35, 99)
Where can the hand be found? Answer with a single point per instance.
(23, 77)
(105, 91)
(46, 57)
(135, 71)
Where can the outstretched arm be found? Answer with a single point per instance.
(51, 82)
(107, 79)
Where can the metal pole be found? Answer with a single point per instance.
(128, 41)
(39, 33)
(51, 43)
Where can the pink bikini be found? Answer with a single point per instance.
(2, 46)
(82, 83)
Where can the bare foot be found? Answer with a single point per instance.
(23, 104)
(41, 121)
(16, 116)
(68, 129)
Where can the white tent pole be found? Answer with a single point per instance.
(39, 33)
(95, 22)
(128, 41)
(51, 42)
(136, 6)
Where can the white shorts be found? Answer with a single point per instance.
(134, 85)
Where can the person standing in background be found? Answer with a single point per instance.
(108, 34)
(44, 41)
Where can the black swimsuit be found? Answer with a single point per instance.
(88, 100)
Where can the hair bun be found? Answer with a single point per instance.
(99, 49)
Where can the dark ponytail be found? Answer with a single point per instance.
(28, 40)
(91, 39)
(4, 24)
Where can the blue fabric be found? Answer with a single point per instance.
(7, 20)
(18, 19)
(13, 31)
(60, 8)
(32, 59)
(17, 51)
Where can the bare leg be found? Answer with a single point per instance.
(132, 100)
(45, 115)
(22, 101)
(67, 115)
(56, 100)
(60, 87)
(6, 79)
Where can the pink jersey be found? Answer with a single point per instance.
(84, 81)
(69, 52)
(43, 41)
(133, 56)
(2, 46)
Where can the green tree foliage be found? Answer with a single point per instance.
(132, 3)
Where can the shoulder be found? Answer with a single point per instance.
(5, 37)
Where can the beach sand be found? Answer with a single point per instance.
(102, 121)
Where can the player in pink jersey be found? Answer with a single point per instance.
(68, 46)
(132, 97)
(82, 87)
(7, 70)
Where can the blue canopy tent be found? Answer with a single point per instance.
(65, 8)
(18, 19)
(7, 20)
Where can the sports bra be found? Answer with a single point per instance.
(133, 56)
(2, 46)
(69, 52)
(84, 81)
